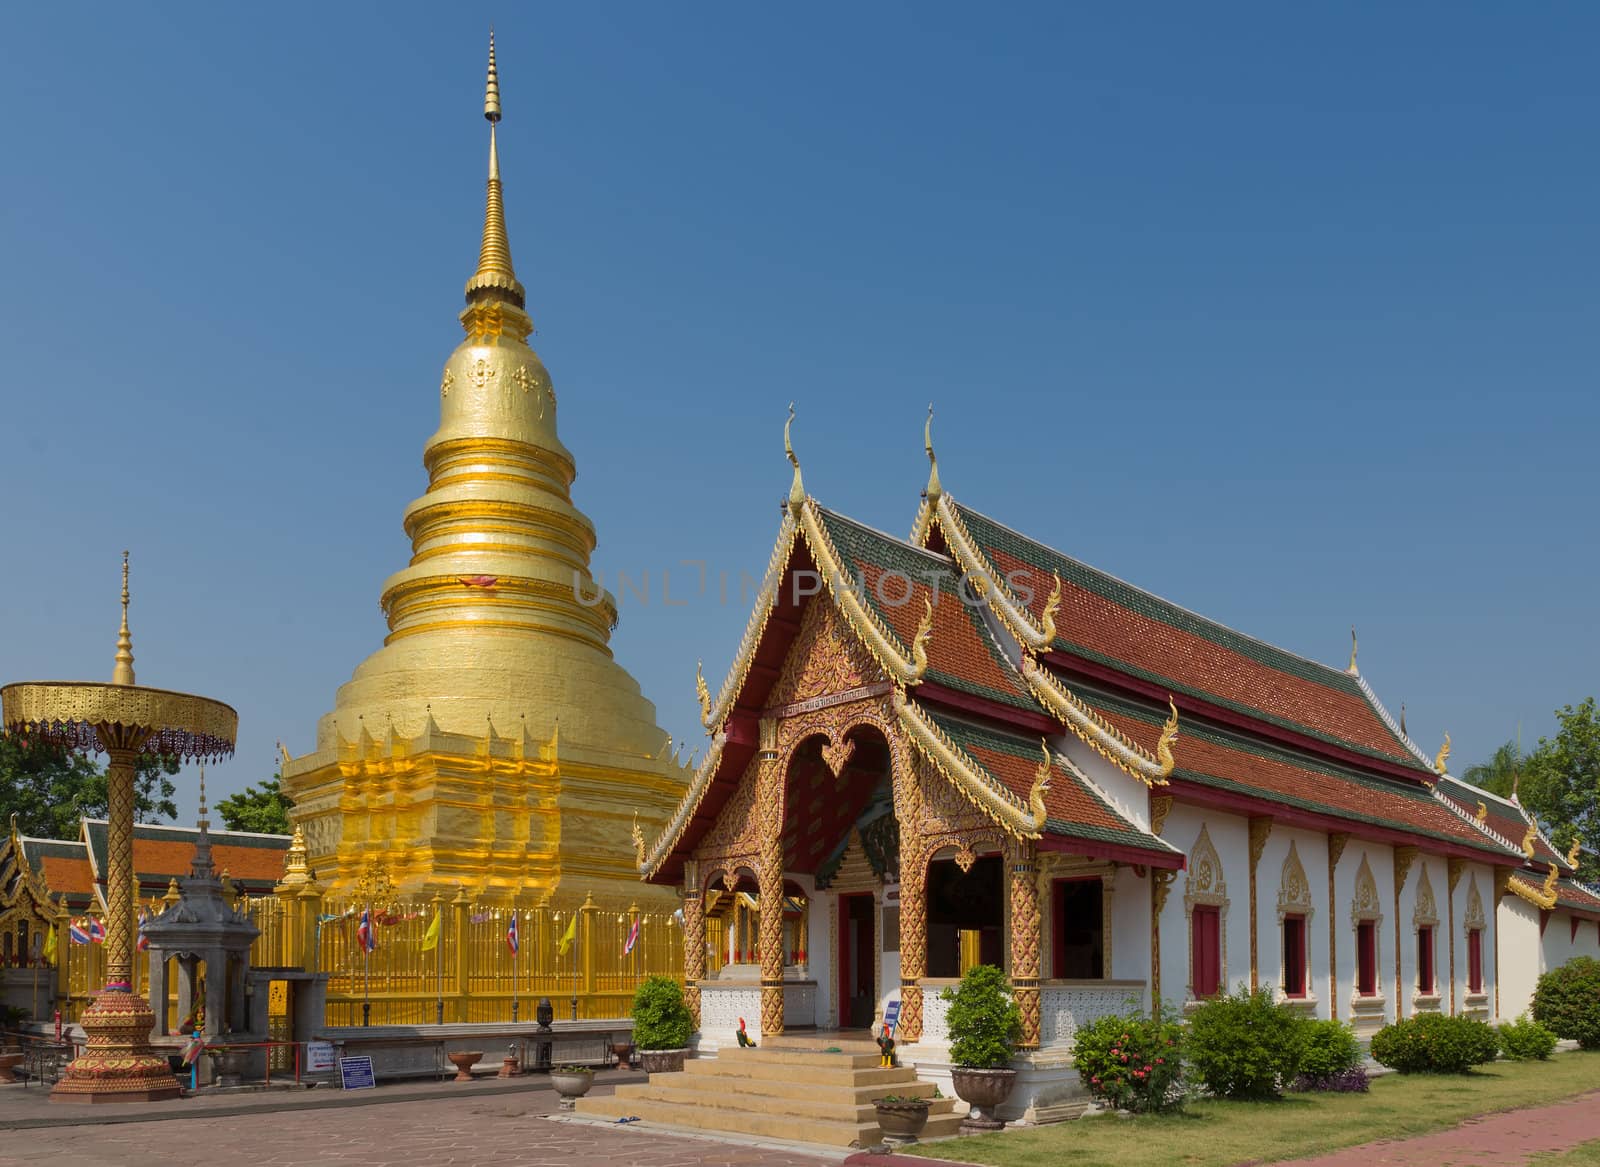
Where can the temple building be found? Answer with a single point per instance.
(493, 743)
(967, 746)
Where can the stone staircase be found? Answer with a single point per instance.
(790, 1087)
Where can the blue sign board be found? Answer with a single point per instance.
(891, 1015)
(356, 1073)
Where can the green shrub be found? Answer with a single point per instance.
(660, 1018)
(984, 1021)
(1245, 1045)
(1434, 1044)
(1526, 1040)
(1331, 1048)
(1131, 1062)
(1567, 1001)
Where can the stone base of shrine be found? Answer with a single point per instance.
(117, 1064)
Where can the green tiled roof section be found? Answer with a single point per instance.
(968, 735)
(988, 533)
(1192, 729)
(855, 541)
(1570, 893)
(36, 849)
(1467, 796)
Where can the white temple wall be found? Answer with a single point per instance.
(1521, 954)
(1229, 837)
(1310, 849)
(1479, 877)
(1130, 929)
(1368, 1014)
(819, 948)
(1128, 795)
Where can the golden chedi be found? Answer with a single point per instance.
(493, 743)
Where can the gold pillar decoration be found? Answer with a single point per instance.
(913, 931)
(1453, 869)
(694, 938)
(1336, 845)
(460, 909)
(121, 719)
(1404, 857)
(1026, 939)
(588, 908)
(770, 885)
(1160, 884)
(1160, 807)
(1260, 829)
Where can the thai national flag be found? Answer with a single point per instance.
(364, 934)
(96, 930)
(144, 941)
(511, 934)
(633, 938)
(78, 932)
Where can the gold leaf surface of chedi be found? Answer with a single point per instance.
(493, 738)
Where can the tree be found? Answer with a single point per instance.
(1562, 783)
(1499, 774)
(261, 808)
(50, 788)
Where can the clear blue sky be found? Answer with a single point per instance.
(1289, 315)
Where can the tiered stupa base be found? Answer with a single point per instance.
(118, 1063)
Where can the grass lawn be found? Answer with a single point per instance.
(1219, 1134)
(1583, 1155)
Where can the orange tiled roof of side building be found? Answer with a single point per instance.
(1107, 621)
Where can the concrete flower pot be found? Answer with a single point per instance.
(571, 1084)
(902, 1122)
(983, 1090)
(663, 1061)
(463, 1061)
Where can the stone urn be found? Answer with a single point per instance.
(901, 1119)
(623, 1052)
(227, 1065)
(983, 1090)
(571, 1082)
(463, 1061)
(663, 1061)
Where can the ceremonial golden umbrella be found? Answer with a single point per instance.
(121, 720)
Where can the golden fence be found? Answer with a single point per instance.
(470, 975)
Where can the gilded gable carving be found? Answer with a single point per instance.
(1365, 904)
(1426, 913)
(826, 658)
(1474, 917)
(1294, 889)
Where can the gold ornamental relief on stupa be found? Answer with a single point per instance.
(492, 742)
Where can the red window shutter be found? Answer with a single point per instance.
(1294, 956)
(1367, 958)
(1206, 950)
(1475, 961)
(1425, 960)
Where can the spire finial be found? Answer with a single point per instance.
(934, 489)
(495, 279)
(1353, 646)
(1403, 732)
(122, 673)
(797, 489)
(200, 866)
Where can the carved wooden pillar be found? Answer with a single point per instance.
(1404, 857)
(1453, 868)
(694, 939)
(1336, 843)
(1160, 884)
(1260, 828)
(913, 932)
(769, 813)
(1025, 939)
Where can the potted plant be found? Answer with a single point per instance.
(571, 1082)
(901, 1119)
(985, 1026)
(661, 1025)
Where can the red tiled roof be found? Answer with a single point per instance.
(1575, 896)
(1502, 818)
(1227, 761)
(1107, 621)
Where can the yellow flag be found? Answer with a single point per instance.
(567, 936)
(430, 938)
(50, 945)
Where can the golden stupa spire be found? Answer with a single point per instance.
(122, 674)
(495, 279)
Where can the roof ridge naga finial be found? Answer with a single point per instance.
(1169, 734)
(797, 489)
(1351, 668)
(934, 489)
(1442, 758)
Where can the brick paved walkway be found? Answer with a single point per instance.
(492, 1131)
(1490, 1140)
